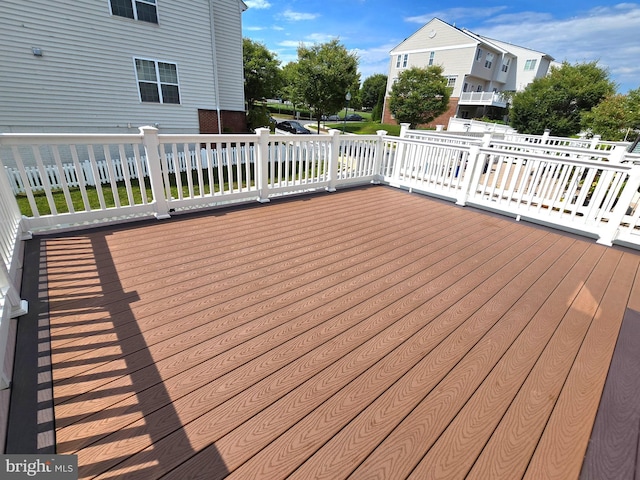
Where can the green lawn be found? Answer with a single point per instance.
(60, 201)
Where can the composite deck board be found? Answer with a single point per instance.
(369, 333)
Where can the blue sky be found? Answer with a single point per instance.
(576, 31)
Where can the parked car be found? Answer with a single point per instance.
(353, 117)
(331, 118)
(292, 126)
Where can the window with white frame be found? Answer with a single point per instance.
(488, 60)
(478, 54)
(432, 56)
(505, 65)
(530, 64)
(451, 80)
(479, 88)
(465, 87)
(398, 61)
(405, 60)
(143, 10)
(157, 81)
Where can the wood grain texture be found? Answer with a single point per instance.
(368, 333)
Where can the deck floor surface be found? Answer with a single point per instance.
(368, 333)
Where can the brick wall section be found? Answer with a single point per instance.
(441, 120)
(232, 122)
(208, 120)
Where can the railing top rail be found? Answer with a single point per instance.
(462, 138)
(554, 148)
(625, 167)
(452, 146)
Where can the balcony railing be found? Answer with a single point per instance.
(79, 181)
(492, 99)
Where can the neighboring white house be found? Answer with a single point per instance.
(111, 66)
(477, 68)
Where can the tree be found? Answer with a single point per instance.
(615, 117)
(372, 94)
(324, 74)
(371, 88)
(419, 95)
(558, 101)
(261, 72)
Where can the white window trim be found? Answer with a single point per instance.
(405, 60)
(158, 82)
(479, 54)
(135, 11)
(432, 56)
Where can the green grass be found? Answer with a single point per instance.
(60, 201)
(366, 128)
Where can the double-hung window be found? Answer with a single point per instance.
(478, 54)
(530, 64)
(505, 65)
(488, 60)
(143, 10)
(157, 81)
(432, 56)
(402, 60)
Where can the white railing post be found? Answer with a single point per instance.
(17, 306)
(377, 166)
(151, 148)
(475, 163)
(262, 166)
(333, 159)
(594, 142)
(617, 154)
(545, 136)
(400, 160)
(610, 232)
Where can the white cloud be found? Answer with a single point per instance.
(254, 29)
(299, 16)
(258, 4)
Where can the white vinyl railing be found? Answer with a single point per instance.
(11, 236)
(62, 181)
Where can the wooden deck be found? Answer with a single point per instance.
(368, 333)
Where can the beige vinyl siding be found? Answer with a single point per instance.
(228, 30)
(455, 62)
(479, 70)
(445, 35)
(85, 80)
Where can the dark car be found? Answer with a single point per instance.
(353, 117)
(292, 127)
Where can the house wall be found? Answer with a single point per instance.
(456, 51)
(519, 78)
(228, 43)
(85, 80)
(453, 50)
